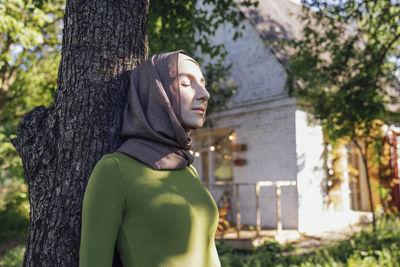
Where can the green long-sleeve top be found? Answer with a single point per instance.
(155, 218)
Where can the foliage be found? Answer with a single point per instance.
(13, 257)
(345, 64)
(230, 257)
(29, 57)
(14, 216)
(29, 49)
(368, 248)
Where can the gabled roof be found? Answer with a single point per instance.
(275, 20)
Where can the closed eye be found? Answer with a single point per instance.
(203, 82)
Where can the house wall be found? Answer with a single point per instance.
(311, 175)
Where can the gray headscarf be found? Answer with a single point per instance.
(152, 124)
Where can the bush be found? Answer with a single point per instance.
(368, 248)
(13, 257)
(230, 257)
(14, 217)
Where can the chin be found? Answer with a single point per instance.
(196, 125)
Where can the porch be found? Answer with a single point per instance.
(248, 236)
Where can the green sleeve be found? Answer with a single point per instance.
(102, 212)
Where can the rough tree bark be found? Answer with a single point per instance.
(59, 145)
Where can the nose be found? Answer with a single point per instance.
(202, 93)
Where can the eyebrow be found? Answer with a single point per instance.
(192, 76)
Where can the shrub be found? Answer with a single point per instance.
(14, 217)
(368, 248)
(13, 257)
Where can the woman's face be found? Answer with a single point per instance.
(193, 93)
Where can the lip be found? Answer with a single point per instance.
(199, 110)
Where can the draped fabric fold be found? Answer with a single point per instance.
(152, 124)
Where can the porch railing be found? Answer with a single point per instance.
(277, 184)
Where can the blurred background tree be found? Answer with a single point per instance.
(29, 58)
(346, 67)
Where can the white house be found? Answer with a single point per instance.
(271, 132)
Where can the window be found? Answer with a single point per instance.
(223, 160)
(215, 154)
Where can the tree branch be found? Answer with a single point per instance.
(387, 48)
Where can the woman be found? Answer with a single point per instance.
(146, 198)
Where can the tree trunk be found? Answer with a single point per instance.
(59, 146)
(364, 154)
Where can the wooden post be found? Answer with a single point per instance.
(237, 212)
(278, 208)
(258, 217)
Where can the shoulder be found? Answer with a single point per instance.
(105, 183)
(127, 168)
(193, 171)
(124, 161)
(107, 161)
(106, 171)
(118, 159)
